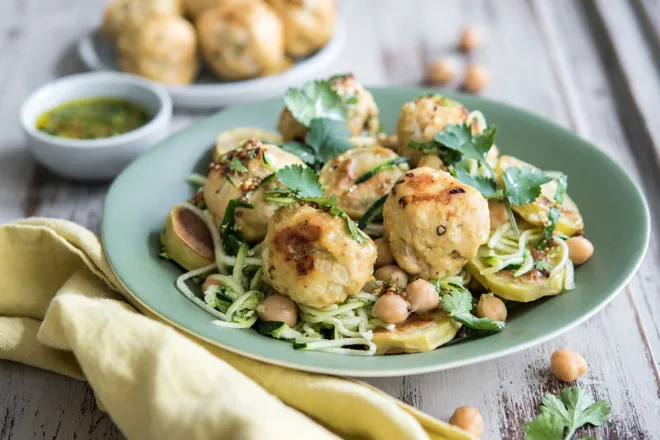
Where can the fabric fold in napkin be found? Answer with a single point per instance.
(62, 309)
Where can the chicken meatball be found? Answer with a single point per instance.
(195, 7)
(434, 223)
(225, 184)
(311, 257)
(163, 48)
(121, 14)
(424, 117)
(241, 39)
(308, 24)
(362, 110)
(339, 177)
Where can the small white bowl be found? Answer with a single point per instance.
(95, 159)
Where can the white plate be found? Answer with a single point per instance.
(207, 92)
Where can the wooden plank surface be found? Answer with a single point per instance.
(561, 59)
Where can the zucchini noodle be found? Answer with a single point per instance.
(374, 230)
(196, 179)
(564, 255)
(479, 118)
(183, 288)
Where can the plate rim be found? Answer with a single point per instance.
(413, 370)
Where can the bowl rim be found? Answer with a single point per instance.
(158, 121)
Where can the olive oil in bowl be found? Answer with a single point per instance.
(93, 118)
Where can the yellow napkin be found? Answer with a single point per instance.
(63, 309)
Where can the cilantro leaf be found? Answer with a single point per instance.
(302, 180)
(237, 165)
(302, 185)
(555, 210)
(328, 138)
(485, 185)
(523, 185)
(231, 238)
(457, 303)
(573, 409)
(542, 265)
(303, 151)
(544, 427)
(316, 99)
(460, 138)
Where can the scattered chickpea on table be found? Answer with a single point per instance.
(468, 419)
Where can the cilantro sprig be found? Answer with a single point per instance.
(316, 99)
(326, 139)
(232, 238)
(573, 409)
(302, 186)
(457, 302)
(521, 186)
(555, 210)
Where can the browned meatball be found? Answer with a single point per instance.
(163, 48)
(311, 257)
(424, 117)
(362, 110)
(308, 24)
(241, 39)
(434, 223)
(340, 174)
(224, 185)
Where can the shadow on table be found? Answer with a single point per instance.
(69, 62)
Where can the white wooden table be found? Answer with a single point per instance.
(589, 65)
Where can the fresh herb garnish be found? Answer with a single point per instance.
(457, 303)
(236, 165)
(328, 138)
(325, 140)
(380, 167)
(555, 210)
(542, 265)
(300, 180)
(523, 185)
(374, 211)
(316, 99)
(573, 409)
(302, 185)
(231, 237)
(485, 185)
(303, 151)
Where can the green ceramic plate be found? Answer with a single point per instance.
(614, 210)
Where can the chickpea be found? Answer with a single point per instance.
(490, 306)
(440, 71)
(278, 308)
(567, 365)
(391, 308)
(579, 249)
(498, 214)
(468, 419)
(470, 39)
(392, 273)
(431, 161)
(208, 282)
(422, 296)
(476, 78)
(384, 254)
